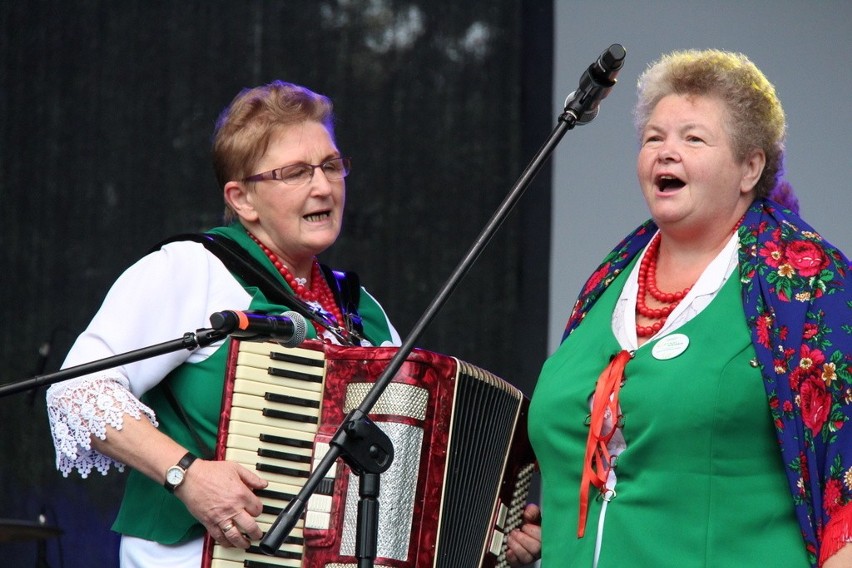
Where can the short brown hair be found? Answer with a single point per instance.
(245, 127)
(755, 117)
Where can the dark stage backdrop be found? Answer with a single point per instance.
(106, 112)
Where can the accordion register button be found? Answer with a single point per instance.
(502, 511)
(496, 543)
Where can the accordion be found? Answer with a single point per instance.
(461, 470)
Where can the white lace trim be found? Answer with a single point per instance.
(81, 408)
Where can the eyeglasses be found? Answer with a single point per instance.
(299, 174)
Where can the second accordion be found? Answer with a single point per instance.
(461, 470)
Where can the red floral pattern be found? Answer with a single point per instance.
(816, 405)
(806, 258)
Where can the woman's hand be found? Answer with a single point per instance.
(217, 493)
(524, 545)
(220, 495)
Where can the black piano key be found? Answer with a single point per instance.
(269, 468)
(325, 486)
(290, 358)
(288, 399)
(279, 495)
(282, 441)
(284, 415)
(289, 374)
(251, 563)
(287, 456)
(270, 510)
(281, 553)
(294, 540)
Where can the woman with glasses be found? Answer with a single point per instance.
(698, 412)
(282, 176)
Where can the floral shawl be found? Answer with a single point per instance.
(797, 296)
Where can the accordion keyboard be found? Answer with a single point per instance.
(274, 415)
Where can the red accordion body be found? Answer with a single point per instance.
(462, 463)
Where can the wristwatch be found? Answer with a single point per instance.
(176, 474)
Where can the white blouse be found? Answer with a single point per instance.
(158, 299)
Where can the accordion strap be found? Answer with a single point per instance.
(344, 286)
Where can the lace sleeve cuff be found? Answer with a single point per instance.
(81, 408)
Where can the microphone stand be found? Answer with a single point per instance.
(361, 444)
(190, 341)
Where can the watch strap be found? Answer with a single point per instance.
(186, 460)
(183, 464)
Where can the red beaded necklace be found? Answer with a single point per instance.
(648, 284)
(319, 293)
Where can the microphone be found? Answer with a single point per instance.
(41, 365)
(43, 356)
(595, 84)
(289, 329)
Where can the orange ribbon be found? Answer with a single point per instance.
(597, 464)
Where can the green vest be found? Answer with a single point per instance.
(701, 483)
(150, 512)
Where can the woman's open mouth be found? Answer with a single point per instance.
(319, 216)
(667, 182)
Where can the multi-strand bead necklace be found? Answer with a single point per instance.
(648, 286)
(318, 295)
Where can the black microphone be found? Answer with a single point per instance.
(289, 329)
(595, 84)
(41, 365)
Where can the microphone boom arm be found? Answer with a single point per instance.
(190, 341)
(287, 519)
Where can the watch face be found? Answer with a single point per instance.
(174, 475)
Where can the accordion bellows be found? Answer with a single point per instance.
(462, 462)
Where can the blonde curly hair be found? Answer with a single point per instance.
(755, 117)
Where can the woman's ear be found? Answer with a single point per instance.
(752, 169)
(238, 197)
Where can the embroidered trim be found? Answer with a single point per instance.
(81, 408)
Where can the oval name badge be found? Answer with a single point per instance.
(670, 346)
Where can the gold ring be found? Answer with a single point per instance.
(228, 527)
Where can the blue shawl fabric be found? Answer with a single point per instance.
(797, 297)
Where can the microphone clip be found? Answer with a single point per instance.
(582, 105)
